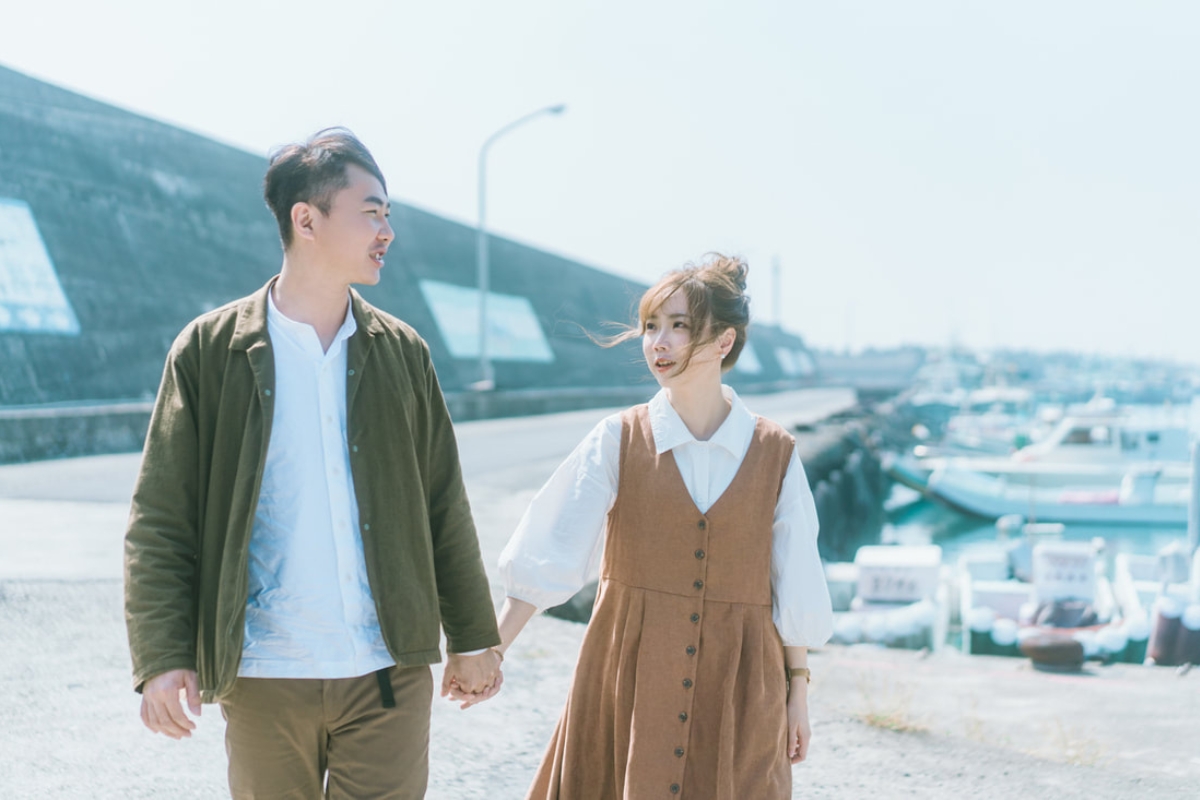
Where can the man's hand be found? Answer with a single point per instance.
(468, 700)
(472, 679)
(161, 709)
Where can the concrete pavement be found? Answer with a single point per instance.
(977, 727)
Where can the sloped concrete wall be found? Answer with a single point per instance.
(149, 226)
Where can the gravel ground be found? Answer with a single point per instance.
(978, 727)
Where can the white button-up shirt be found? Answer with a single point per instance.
(558, 543)
(310, 613)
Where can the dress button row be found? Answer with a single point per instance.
(695, 617)
(701, 524)
(699, 584)
(679, 752)
(691, 651)
(687, 683)
(674, 788)
(683, 717)
(699, 554)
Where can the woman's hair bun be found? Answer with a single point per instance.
(733, 267)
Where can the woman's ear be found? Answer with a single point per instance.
(726, 340)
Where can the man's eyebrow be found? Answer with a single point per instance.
(377, 201)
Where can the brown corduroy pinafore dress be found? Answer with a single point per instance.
(680, 690)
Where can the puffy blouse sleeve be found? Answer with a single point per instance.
(801, 606)
(557, 545)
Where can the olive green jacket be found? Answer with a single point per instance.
(188, 539)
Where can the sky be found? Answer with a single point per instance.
(1019, 174)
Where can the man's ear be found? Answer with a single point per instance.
(303, 215)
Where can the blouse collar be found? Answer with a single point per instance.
(670, 432)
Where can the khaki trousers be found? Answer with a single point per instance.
(299, 739)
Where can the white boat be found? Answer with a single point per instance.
(892, 595)
(998, 608)
(1139, 579)
(1138, 497)
(1089, 451)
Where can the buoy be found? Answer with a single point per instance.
(1112, 642)
(1051, 652)
(1187, 645)
(1165, 631)
(979, 626)
(1004, 638)
(1137, 630)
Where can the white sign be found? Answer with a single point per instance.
(31, 298)
(894, 574)
(1064, 571)
(514, 333)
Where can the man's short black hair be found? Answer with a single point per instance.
(313, 172)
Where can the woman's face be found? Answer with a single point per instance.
(667, 341)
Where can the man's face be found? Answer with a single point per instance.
(354, 236)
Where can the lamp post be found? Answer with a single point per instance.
(487, 379)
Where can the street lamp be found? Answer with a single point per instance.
(487, 380)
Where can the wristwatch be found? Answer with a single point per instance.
(794, 671)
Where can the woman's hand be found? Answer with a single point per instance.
(468, 699)
(799, 731)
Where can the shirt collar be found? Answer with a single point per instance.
(670, 432)
(305, 334)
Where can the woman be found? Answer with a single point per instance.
(711, 587)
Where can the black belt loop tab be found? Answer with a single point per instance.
(385, 688)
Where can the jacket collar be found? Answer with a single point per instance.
(251, 327)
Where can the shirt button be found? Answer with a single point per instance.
(354, 448)
(699, 554)
(687, 683)
(691, 651)
(674, 788)
(267, 392)
(701, 524)
(350, 372)
(679, 752)
(366, 527)
(695, 617)
(683, 717)
(699, 584)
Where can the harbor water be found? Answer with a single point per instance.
(927, 522)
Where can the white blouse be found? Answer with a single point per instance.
(557, 545)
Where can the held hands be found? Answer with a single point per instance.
(472, 679)
(161, 709)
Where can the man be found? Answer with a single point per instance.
(300, 531)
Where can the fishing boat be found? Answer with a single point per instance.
(1093, 447)
(1138, 496)
(1040, 593)
(891, 595)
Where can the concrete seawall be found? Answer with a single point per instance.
(34, 433)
